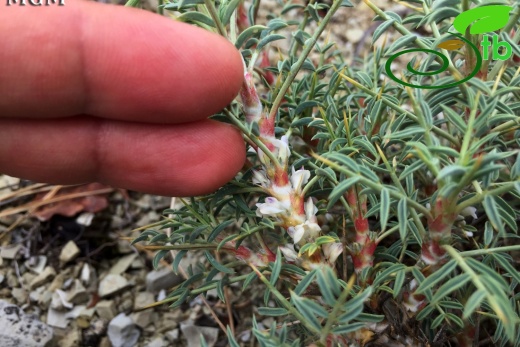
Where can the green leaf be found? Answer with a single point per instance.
(506, 265)
(451, 172)
(268, 39)
(305, 105)
(488, 233)
(184, 294)
(272, 311)
(402, 216)
(276, 268)
(381, 29)
(345, 329)
(248, 33)
(341, 189)
(490, 206)
(304, 283)
(437, 276)
(248, 280)
(231, 339)
(196, 18)
(344, 160)
(399, 281)
(401, 42)
(328, 285)
(450, 286)
(215, 232)
(158, 238)
(350, 314)
(383, 276)
(473, 302)
(229, 8)
(384, 208)
(158, 256)
(216, 264)
(177, 260)
(303, 306)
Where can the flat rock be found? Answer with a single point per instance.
(69, 252)
(157, 342)
(143, 299)
(20, 295)
(36, 264)
(59, 300)
(122, 332)
(106, 309)
(122, 264)
(111, 284)
(20, 330)
(46, 276)
(142, 318)
(72, 339)
(57, 319)
(161, 279)
(192, 334)
(77, 294)
(10, 252)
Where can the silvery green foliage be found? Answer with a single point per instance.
(409, 212)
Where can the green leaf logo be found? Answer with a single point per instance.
(482, 19)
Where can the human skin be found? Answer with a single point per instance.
(94, 92)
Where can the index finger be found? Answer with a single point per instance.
(113, 62)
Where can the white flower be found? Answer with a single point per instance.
(260, 178)
(308, 229)
(299, 178)
(469, 211)
(332, 251)
(282, 147)
(271, 207)
(282, 192)
(289, 252)
(310, 210)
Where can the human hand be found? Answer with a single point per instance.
(93, 92)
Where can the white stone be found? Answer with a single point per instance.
(106, 309)
(59, 300)
(143, 299)
(122, 332)
(18, 329)
(111, 284)
(36, 264)
(72, 339)
(172, 335)
(85, 218)
(142, 318)
(355, 34)
(122, 264)
(69, 252)
(157, 342)
(20, 295)
(85, 274)
(46, 276)
(78, 293)
(161, 279)
(10, 252)
(57, 319)
(192, 334)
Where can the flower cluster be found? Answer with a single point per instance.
(286, 203)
